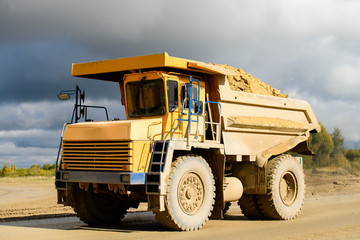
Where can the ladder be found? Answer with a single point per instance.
(157, 163)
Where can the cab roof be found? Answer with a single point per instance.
(115, 69)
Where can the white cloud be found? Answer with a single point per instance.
(25, 156)
(340, 114)
(335, 113)
(49, 115)
(30, 132)
(34, 115)
(344, 80)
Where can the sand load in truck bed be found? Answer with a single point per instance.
(245, 82)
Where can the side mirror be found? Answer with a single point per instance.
(64, 96)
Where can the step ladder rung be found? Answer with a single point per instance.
(158, 156)
(157, 163)
(159, 152)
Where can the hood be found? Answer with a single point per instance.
(140, 129)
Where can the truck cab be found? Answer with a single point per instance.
(162, 94)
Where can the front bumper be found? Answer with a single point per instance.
(63, 176)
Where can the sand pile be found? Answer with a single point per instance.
(245, 82)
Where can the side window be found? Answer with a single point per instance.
(185, 94)
(173, 98)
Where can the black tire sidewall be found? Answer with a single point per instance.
(94, 212)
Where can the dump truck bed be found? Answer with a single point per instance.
(258, 126)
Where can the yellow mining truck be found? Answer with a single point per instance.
(189, 146)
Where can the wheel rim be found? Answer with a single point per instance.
(288, 188)
(191, 193)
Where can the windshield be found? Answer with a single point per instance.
(145, 98)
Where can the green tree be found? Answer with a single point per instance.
(322, 144)
(338, 141)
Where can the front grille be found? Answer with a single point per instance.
(102, 156)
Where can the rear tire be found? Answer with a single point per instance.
(249, 206)
(285, 189)
(190, 194)
(99, 209)
(227, 207)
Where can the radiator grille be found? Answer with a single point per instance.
(102, 156)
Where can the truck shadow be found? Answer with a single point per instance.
(133, 222)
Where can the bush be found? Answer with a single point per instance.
(339, 160)
(13, 167)
(352, 154)
(46, 166)
(6, 170)
(307, 162)
(35, 170)
(53, 167)
(355, 167)
(22, 172)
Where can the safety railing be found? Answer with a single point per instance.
(190, 100)
(215, 134)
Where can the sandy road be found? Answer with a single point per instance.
(26, 199)
(329, 217)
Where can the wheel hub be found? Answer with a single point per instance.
(190, 193)
(288, 188)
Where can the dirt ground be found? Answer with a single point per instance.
(325, 184)
(33, 198)
(22, 198)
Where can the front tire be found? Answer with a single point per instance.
(285, 189)
(99, 209)
(190, 194)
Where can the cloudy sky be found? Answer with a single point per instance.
(309, 49)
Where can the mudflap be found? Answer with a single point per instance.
(217, 164)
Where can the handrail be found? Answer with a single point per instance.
(190, 112)
(83, 112)
(190, 120)
(173, 130)
(89, 106)
(218, 124)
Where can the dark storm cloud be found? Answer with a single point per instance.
(289, 45)
(31, 72)
(38, 45)
(39, 70)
